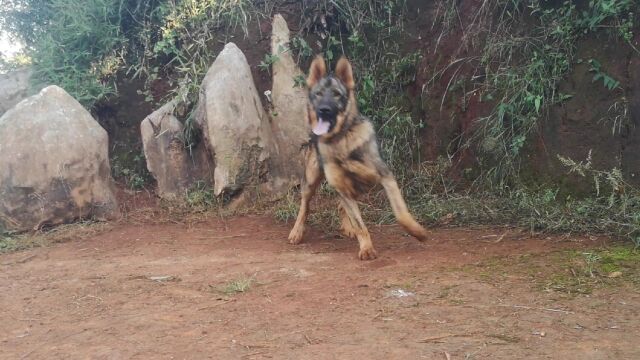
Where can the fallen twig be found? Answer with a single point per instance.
(534, 308)
(436, 338)
(216, 305)
(20, 261)
(253, 354)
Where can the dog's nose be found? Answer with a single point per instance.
(324, 110)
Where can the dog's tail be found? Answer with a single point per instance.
(400, 210)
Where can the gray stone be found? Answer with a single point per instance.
(54, 164)
(167, 158)
(234, 124)
(14, 87)
(289, 122)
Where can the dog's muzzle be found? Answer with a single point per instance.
(326, 119)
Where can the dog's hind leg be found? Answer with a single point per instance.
(400, 210)
(350, 206)
(312, 178)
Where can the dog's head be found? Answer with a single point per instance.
(330, 96)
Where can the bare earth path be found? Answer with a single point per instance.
(156, 291)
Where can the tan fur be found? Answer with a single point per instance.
(345, 73)
(349, 160)
(317, 71)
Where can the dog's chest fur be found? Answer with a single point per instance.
(348, 162)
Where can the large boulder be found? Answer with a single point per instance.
(54, 164)
(14, 87)
(234, 123)
(170, 163)
(289, 101)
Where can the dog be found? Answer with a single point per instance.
(344, 151)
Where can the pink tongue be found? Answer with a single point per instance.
(322, 127)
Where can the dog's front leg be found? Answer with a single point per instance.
(350, 206)
(313, 176)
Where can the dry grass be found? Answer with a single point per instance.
(59, 234)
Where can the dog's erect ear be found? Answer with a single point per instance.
(317, 71)
(344, 73)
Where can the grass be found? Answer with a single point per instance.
(286, 210)
(63, 233)
(568, 273)
(240, 285)
(521, 67)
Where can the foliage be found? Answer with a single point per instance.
(10, 242)
(201, 197)
(236, 286)
(523, 65)
(287, 209)
(76, 45)
(83, 46)
(268, 60)
(609, 82)
(17, 62)
(132, 171)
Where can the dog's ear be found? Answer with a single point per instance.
(344, 73)
(317, 71)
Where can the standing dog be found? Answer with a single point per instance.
(345, 151)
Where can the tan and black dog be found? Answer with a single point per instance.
(344, 150)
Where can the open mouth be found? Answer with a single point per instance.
(324, 123)
(322, 127)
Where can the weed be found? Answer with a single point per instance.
(286, 209)
(9, 244)
(590, 259)
(609, 82)
(618, 115)
(201, 197)
(300, 81)
(570, 272)
(522, 69)
(268, 60)
(131, 170)
(300, 46)
(62, 233)
(239, 285)
(512, 339)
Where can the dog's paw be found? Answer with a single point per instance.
(422, 235)
(368, 253)
(295, 236)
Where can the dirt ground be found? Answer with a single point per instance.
(172, 291)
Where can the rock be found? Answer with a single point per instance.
(14, 87)
(54, 164)
(233, 122)
(167, 158)
(289, 122)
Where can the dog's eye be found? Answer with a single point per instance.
(317, 93)
(337, 93)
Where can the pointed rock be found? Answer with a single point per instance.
(234, 124)
(290, 126)
(54, 164)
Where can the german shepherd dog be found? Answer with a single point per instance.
(344, 150)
